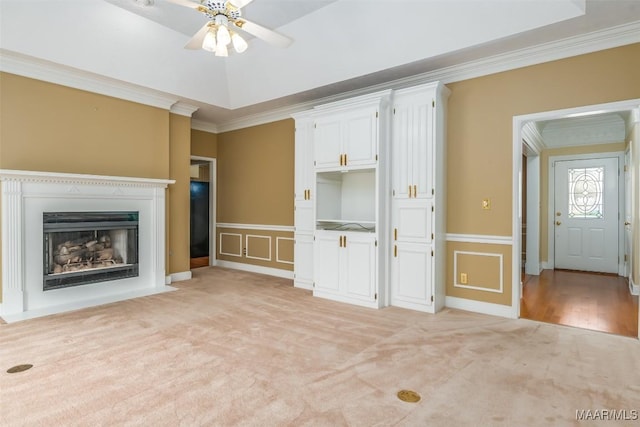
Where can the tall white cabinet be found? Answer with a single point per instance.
(418, 258)
(369, 199)
(350, 145)
(304, 195)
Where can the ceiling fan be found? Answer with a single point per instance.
(224, 18)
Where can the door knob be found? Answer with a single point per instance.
(558, 223)
(627, 223)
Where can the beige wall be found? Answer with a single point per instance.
(178, 197)
(544, 184)
(255, 174)
(255, 186)
(479, 145)
(204, 144)
(47, 127)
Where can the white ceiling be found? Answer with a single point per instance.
(339, 45)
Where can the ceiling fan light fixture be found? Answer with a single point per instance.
(223, 35)
(222, 50)
(209, 42)
(239, 44)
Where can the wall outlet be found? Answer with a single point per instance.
(463, 278)
(486, 204)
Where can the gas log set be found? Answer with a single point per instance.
(83, 254)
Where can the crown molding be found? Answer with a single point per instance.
(572, 46)
(183, 109)
(28, 66)
(532, 136)
(204, 126)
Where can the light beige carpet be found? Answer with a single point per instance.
(235, 348)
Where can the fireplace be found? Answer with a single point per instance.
(89, 247)
(71, 241)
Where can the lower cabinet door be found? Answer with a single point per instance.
(411, 276)
(327, 263)
(360, 266)
(303, 261)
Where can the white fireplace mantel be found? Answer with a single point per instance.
(27, 194)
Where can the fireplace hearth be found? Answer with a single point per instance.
(89, 247)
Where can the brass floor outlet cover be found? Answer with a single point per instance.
(19, 368)
(408, 396)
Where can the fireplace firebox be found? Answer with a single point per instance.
(89, 247)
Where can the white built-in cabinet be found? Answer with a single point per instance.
(304, 195)
(369, 199)
(417, 270)
(350, 145)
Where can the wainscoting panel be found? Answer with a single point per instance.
(284, 250)
(230, 244)
(258, 247)
(269, 247)
(482, 270)
(487, 263)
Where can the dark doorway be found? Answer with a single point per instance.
(200, 216)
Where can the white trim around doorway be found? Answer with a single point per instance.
(212, 207)
(518, 136)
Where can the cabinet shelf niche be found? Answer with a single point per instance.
(346, 200)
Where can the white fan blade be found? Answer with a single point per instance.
(263, 33)
(185, 3)
(240, 3)
(197, 39)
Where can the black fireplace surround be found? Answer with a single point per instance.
(89, 247)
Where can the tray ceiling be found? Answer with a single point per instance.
(339, 45)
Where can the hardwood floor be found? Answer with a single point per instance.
(585, 300)
(200, 262)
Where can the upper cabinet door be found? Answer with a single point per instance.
(412, 145)
(422, 154)
(346, 139)
(360, 144)
(304, 173)
(401, 151)
(327, 142)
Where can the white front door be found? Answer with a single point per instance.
(586, 215)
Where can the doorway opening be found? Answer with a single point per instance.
(546, 235)
(202, 212)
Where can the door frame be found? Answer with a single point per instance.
(518, 134)
(212, 207)
(551, 236)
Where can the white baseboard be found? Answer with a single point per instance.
(546, 265)
(634, 288)
(480, 307)
(285, 274)
(302, 285)
(177, 277)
